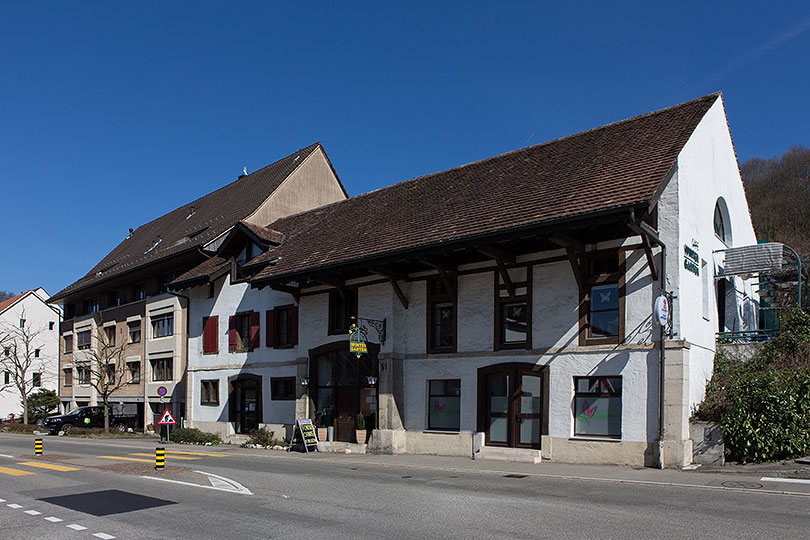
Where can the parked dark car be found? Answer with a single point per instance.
(88, 417)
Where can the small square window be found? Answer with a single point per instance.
(210, 392)
(598, 407)
(84, 340)
(444, 404)
(36, 353)
(282, 388)
(50, 325)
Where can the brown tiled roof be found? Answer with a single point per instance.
(607, 168)
(193, 224)
(9, 302)
(265, 233)
(201, 272)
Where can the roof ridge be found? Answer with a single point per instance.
(511, 152)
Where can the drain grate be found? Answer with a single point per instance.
(515, 475)
(742, 485)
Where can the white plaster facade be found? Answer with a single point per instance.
(41, 322)
(706, 171)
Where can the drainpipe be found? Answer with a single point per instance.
(185, 354)
(644, 230)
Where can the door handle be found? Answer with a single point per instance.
(518, 419)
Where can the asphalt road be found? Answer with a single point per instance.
(100, 488)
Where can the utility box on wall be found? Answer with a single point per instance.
(707, 443)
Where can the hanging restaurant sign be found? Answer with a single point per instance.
(358, 334)
(691, 260)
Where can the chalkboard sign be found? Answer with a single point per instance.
(304, 433)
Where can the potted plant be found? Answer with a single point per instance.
(321, 429)
(360, 432)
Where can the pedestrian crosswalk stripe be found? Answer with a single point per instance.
(173, 457)
(128, 459)
(194, 453)
(50, 466)
(14, 472)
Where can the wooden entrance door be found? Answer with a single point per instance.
(246, 404)
(513, 408)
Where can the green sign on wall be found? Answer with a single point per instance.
(691, 260)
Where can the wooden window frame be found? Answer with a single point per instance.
(236, 341)
(608, 394)
(347, 306)
(209, 392)
(276, 382)
(431, 395)
(502, 301)
(593, 279)
(433, 300)
(274, 330)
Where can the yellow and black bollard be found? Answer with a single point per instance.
(38, 447)
(160, 458)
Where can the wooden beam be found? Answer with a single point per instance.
(650, 260)
(576, 266)
(339, 284)
(438, 266)
(563, 240)
(389, 273)
(497, 254)
(399, 293)
(505, 276)
(294, 291)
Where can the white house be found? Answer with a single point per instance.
(507, 304)
(30, 325)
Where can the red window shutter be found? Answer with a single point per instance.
(254, 330)
(211, 335)
(232, 333)
(271, 327)
(294, 326)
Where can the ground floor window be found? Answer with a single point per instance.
(282, 388)
(444, 404)
(598, 406)
(210, 393)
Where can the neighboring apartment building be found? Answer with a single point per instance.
(125, 297)
(30, 324)
(517, 294)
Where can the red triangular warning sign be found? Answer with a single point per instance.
(167, 419)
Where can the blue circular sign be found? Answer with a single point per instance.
(162, 391)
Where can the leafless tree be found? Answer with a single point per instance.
(21, 357)
(5, 295)
(106, 363)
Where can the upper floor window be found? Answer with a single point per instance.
(109, 332)
(83, 374)
(68, 344)
(68, 374)
(36, 379)
(243, 332)
(162, 369)
(722, 225)
(134, 328)
(113, 298)
(36, 353)
(512, 310)
(51, 324)
(163, 325)
(210, 335)
(342, 308)
(441, 315)
(83, 339)
(282, 326)
(22, 323)
(138, 291)
(602, 306)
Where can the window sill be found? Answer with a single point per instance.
(442, 431)
(211, 404)
(283, 346)
(594, 439)
(210, 353)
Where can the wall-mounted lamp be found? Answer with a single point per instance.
(371, 380)
(305, 381)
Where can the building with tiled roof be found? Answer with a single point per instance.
(506, 309)
(29, 349)
(124, 298)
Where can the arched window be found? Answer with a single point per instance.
(722, 226)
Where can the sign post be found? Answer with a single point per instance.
(167, 420)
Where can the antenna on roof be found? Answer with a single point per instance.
(244, 171)
(130, 233)
(191, 212)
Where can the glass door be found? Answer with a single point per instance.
(513, 409)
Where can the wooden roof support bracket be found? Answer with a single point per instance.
(501, 257)
(338, 284)
(393, 276)
(647, 249)
(399, 293)
(576, 254)
(576, 267)
(294, 291)
(443, 274)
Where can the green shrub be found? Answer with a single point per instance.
(262, 437)
(193, 436)
(764, 404)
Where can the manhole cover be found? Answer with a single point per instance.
(514, 476)
(742, 485)
(104, 503)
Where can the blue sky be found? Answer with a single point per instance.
(114, 114)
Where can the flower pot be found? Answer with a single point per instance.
(361, 436)
(322, 434)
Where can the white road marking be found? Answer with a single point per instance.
(33, 513)
(53, 519)
(233, 487)
(14, 506)
(104, 536)
(5, 455)
(789, 480)
(224, 483)
(76, 527)
(2, 500)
